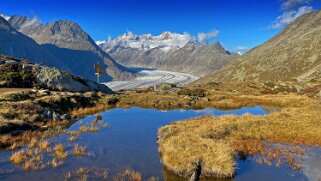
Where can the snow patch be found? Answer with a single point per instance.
(100, 42)
(5, 17)
(165, 41)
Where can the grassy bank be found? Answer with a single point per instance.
(215, 141)
(212, 142)
(22, 113)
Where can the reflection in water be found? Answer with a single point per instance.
(311, 164)
(130, 142)
(170, 176)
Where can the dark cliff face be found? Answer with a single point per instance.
(72, 46)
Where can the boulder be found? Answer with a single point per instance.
(56, 116)
(47, 114)
(55, 79)
(205, 99)
(27, 67)
(66, 117)
(11, 62)
(44, 92)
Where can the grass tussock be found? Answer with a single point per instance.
(73, 138)
(128, 175)
(44, 146)
(83, 173)
(88, 128)
(18, 157)
(92, 126)
(32, 143)
(42, 155)
(60, 152)
(79, 150)
(30, 159)
(56, 163)
(215, 140)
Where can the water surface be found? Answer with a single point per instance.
(130, 142)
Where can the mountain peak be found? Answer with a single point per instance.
(165, 41)
(5, 17)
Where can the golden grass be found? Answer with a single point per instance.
(73, 138)
(86, 129)
(89, 110)
(60, 151)
(67, 175)
(83, 173)
(30, 159)
(128, 175)
(18, 157)
(152, 179)
(214, 140)
(56, 163)
(74, 133)
(92, 127)
(44, 145)
(79, 150)
(181, 152)
(34, 163)
(32, 143)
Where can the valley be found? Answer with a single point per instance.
(177, 101)
(148, 78)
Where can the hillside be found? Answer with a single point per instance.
(294, 53)
(70, 46)
(17, 73)
(16, 44)
(168, 51)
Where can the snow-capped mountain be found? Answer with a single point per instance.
(169, 51)
(165, 41)
(5, 17)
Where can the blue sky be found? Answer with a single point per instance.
(241, 23)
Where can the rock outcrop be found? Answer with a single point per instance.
(21, 73)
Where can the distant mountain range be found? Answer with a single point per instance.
(168, 51)
(62, 44)
(293, 54)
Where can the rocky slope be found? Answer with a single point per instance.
(69, 45)
(16, 44)
(22, 73)
(293, 54)
(168, 51)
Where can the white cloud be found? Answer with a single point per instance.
(204, 37)
(241, 49)
(288, 16)
(290, 4)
